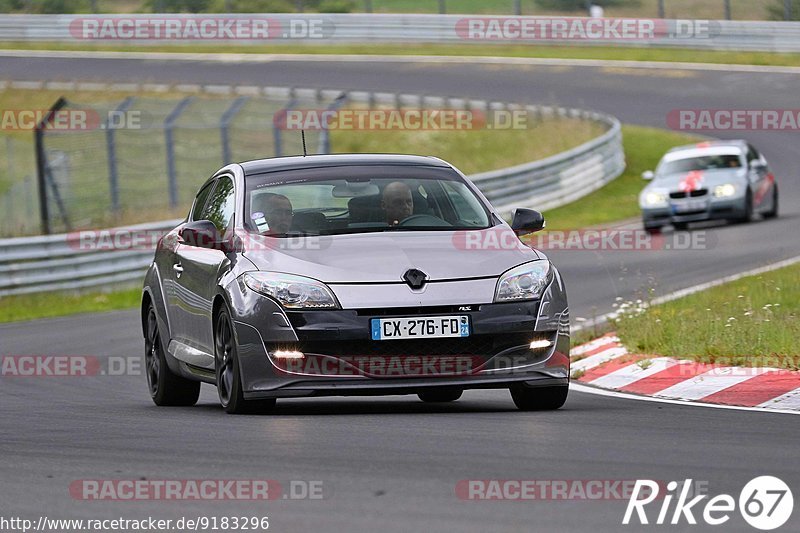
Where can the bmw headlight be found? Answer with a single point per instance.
(653, 199)
(525, 282)
(724, 191)
(293, 292)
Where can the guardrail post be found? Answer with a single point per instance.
(41, 164)
(169, 125)
(325, 135)
(224, 127)
(727, 9)
(111, 148)
(368, 6)
(787, 9)
(442, 7)
(277, 132)
(518, 7)
(661, 10)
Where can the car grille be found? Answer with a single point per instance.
(693, 194)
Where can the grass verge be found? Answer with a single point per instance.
(669, 55)
(53, 304)
(754, 321)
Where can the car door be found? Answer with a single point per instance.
(199, 269)
(757, 176)
(167, 261)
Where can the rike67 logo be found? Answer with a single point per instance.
(766, 503)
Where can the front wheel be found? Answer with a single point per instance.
(440, 395)
(229, 378)
(165, 387)
(539, 398)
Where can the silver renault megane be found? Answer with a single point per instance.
(352, 275)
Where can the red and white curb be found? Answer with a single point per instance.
(605, 363)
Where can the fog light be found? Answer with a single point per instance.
(541, 344)
(288, 354)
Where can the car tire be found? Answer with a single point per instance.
(773, 212)
(680, 226)
(539, 398)
(748, 210)
(653, 230)
(440, 395)
(228, 374)
(166, 388)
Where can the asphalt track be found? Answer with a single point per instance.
(393, 463)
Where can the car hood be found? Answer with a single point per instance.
(386, 256)
(705, 179)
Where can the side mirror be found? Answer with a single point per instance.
(757, 164)
(203, 234)
(648, 175)
(527, 221)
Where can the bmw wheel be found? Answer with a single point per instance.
(165, 387)
(226, 364)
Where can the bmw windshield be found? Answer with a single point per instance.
(691, 164)
(361, 199)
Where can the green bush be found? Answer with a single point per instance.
(263, 6)
(777, 10)
(179, 6)
(336, 6)
(580, 5)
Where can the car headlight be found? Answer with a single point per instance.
(653, 199)
(723, 191)
(525, 282)
(293, 292)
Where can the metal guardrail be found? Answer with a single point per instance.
(761, 36)
(65, 262)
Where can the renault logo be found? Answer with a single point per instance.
(415, 278)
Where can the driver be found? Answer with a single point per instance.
(277, 213)
(397, 202)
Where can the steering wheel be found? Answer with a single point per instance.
(423, 220)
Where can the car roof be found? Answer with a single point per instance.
(739, 144)
(275, 164)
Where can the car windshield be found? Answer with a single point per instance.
(708, 162)
(361, 199)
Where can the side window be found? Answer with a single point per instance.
(466, 208)
(200, 201)
(221, 205)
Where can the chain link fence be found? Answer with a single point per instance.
(142, 159)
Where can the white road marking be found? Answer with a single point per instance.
(790, 400)
(366, 58)
(589, 346)
(632, 373)
(597, 359)
(586, 389)
(705, 384)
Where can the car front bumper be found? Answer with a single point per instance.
(716, 209)
(340, 358)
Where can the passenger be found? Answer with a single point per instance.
(277, 214)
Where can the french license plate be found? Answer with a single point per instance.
(433, 327)
(689, 206)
